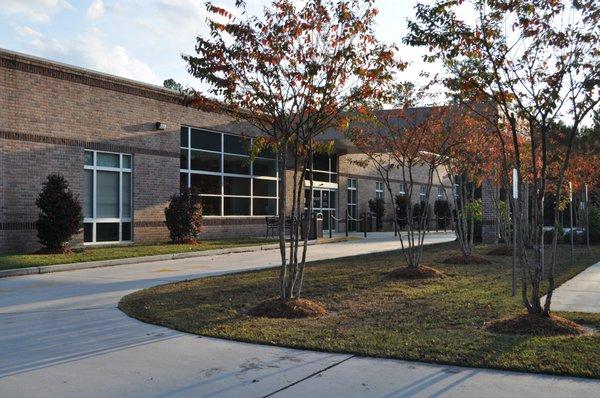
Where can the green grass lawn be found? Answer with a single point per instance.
(433, 320)
(10, 261)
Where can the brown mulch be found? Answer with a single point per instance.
(462, 259)
(500, 251)
(535, 325)
(420, 272)
(288, 308)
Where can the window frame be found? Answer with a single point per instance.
(94, 220)
(379, 190)
(188, 172)
(441, 193)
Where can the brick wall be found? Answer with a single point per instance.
(51, 113)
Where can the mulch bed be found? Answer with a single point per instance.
(500, 251)
(420, 272)
(288, 308)
(462, 259)
(535, 325)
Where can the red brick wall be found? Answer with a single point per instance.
(51, 113)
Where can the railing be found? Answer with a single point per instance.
(447, 222)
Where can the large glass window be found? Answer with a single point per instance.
(217, 167)
(107, 201)
(325, 168)
(423, 193)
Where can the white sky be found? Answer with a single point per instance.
(143, 39)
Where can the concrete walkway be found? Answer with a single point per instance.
(579, 294)
(61, 335)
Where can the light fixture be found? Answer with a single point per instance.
(160, 126)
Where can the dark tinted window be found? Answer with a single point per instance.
(211, 205)
(236, 144)
(236, 186)
(205, 184)
(184, 136)
(237, 206)
(107, 232)
(265, 207)
(236, 164)
(202, 139)
(206, 161)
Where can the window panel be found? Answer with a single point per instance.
(88, 158)
(126, 231)
(107, 232)
(265, 207)
(88, 229)
(211, 205)
(88, 197)
(236, 164)
(107, 194)
(205, 184)
(205, 161)
(127, 161)
(107, 159)
(236, 186)
(184, 137)
(265, 187)
(267, 153)
(183, 182)
(235, 144)
(202, 139)
(265, 168)
(126, 195)
(321, 162)
(183, 159)
(237, 206)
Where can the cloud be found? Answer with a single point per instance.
(89, 50)
(34, 10)
(95, 10)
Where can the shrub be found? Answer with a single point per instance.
(60, 214)
(402, 202)
(441, 208)
(377, 206)
(183, 217)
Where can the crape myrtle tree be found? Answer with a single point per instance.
(537, 62)
(465, 167)
(291, 73)
(410, 143)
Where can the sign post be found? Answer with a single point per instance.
(514, 232)
(571, 221)
(587, 218)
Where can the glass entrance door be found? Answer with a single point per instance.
(324, 201)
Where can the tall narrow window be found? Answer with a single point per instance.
(217, 167)
(423, 193)
(440, 193)
(379, 189)
(352, 203)
(107, 201)
(402, 189)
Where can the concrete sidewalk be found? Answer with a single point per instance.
(579, 294)
(61, 335)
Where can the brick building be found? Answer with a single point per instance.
(125, 147)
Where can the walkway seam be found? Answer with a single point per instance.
(310, 376)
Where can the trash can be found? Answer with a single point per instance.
(316, 227)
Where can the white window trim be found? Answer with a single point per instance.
(379, 189)
(94, 220)
(222, 174)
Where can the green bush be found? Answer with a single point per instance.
(184, 217)
(377, 206)
(60, 214)
(402, 203)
